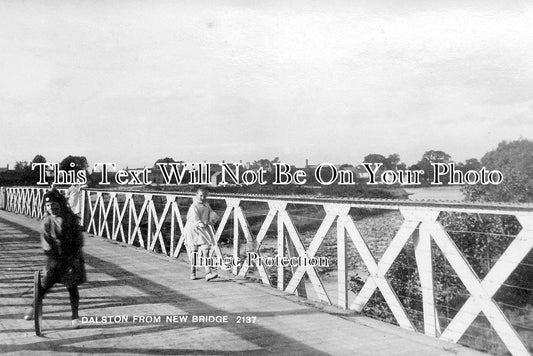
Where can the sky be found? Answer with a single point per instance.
(331, 81)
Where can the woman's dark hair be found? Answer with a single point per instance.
(54, 196)
(70, 225)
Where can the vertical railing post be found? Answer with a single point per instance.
(2, 198)
(101, 214)
(40, 203)
(149, 200)
(231, 208)
(280, 208)
(82, 214)
(281, 251)
(131, 207)
(149, 231)
(342, 266)
(236, 243)
(423, 255)
(291, 252)
(114, 207)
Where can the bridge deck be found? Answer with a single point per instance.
(129, 281)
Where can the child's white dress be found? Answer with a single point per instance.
(199, 213)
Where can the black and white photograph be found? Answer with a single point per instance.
(266, 177)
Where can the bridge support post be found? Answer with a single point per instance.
(82, 214)
(281, 252)
(2, 198)
(423, 256)
(291, 251)
(342, 267)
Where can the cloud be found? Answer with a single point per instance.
(333, 81)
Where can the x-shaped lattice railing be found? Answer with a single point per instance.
(420, 224)
(118, 217)
(378, 271)
(481, 292)
(265, 278)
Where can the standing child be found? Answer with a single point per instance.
(74, 198)
(198, 234)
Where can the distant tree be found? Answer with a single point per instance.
(38, 159)
(392, 162)
(401, 166)
(414, 167)
(515, 160)
(265, 163)
(472, 164)
(166, 160)
(375, 158)
(436, 156)
(21, 166)
(429, 157)
(74, 163)
(345, 166)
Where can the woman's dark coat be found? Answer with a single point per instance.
(62, 241)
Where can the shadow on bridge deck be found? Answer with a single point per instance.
(126, 281)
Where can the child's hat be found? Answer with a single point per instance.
(53, 196)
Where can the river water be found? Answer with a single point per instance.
(449, 193)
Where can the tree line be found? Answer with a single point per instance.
(514, 159)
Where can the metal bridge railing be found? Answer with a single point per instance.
(460, 272)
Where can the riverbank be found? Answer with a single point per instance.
(448, 193)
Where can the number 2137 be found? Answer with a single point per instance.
(241, 319)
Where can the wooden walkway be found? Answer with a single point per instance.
(126, 281)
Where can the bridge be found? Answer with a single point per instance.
(408, 265)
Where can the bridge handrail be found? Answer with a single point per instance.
(371, 203)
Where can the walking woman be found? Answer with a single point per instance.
(62, 241)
